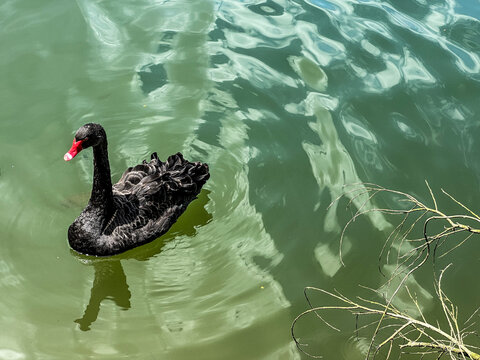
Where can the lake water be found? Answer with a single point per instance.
(287, 101)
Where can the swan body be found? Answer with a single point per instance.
(140, 207)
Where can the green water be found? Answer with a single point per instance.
(287, 101)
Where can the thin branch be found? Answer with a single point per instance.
(390, 321)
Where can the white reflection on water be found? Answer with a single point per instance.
(408, 128)
(333, 168)
(333, 6)
(414, 72)
(104, 29)
(269, 31)
(324, 50)
(7, 354)
(257, 72)
(438, 16)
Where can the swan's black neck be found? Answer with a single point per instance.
(102, 196)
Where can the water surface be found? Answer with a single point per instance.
(287, 101)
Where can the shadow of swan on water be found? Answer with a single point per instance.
(110, 280)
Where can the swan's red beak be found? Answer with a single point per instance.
(74, 150)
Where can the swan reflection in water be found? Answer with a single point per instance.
(110, 283)
(110, 280)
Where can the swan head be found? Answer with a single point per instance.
(88, 135)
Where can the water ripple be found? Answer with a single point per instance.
(244, 28)
(105, 30)
(323, 49)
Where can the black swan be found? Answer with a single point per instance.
(140, 207)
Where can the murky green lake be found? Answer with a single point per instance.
(287, 101)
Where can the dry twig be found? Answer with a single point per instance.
(394, 325)
(410, 332)
(416, 209)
